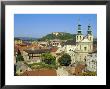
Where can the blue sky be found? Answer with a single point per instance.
(38, 25)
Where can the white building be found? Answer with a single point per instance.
(79, 47)
(84, 44)
(69, 48)
(43, 43)
(21, 68)
(62, 71)
(55, 43)
(91, 62)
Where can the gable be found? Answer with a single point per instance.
(85, 40)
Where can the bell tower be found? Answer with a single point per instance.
(89, 33)
(79, 35)
(90, 38)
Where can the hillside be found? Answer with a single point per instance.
(58, 35)
(25, 38)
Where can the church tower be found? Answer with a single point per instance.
(79, 35)
(89, 33)
(90, 38)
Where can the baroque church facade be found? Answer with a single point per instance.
(81, 46)
(84, 44)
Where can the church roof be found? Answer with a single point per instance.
(70, 42)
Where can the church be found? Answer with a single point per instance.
(79, 47)
(84, 44)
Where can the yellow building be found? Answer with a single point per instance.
(18, 41)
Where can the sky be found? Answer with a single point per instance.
(38, 25)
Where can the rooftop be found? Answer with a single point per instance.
(38, 51)
(41, 72)
(70, 42)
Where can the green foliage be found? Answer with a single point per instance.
(19, 56)
(61, 36)
(41, 65)
(19, 53)
(89, 73)
(65, 60)
(47, 58)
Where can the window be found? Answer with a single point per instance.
(90, 38)
(77, 37)
(80, 37)
(85, 48)
(20, 70)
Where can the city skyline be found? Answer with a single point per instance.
(38, 25)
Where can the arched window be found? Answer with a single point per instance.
(80, 37)
(80, 47)
(77, 37)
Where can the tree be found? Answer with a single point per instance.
(65, 60)
(47, 58)
(61, 36)
(19, 56)
(89, 73)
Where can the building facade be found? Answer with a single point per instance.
(91, 62)
(84, 44)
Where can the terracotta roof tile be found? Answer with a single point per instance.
(43, 72)
(54, 49)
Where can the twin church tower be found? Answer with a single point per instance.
(80, 36)
(84, 43)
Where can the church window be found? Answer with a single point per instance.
(90, 38)
(77, 37)
(85, 48)
(80, 37)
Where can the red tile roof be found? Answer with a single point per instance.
(54, 49)
(40, 72)
(79, 68)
